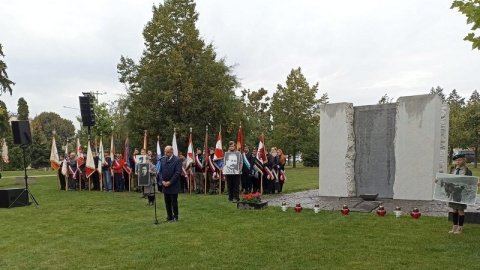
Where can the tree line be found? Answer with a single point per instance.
(180, 82)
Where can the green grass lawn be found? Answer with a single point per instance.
(95, 230)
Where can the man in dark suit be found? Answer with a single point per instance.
(169, 177)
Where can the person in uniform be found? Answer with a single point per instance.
(213, 176)
(61, 177)
(199, 172)
(106, 173)
(246, 183)
(118, 173)
(255, 176)
(458, 209)
(72, 171)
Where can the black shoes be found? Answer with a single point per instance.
(171, 219)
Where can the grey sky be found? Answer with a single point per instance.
(356, 50)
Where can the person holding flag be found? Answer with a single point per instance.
(106, 172)
(61, 176)
(246, 170)
(72, 172)
(199, 171)
(118, 166)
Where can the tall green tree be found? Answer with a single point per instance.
(457, 134)
(49, 122)
(179, 82)
(23, 111)
(4, 117)
(5, 83)
(104, 122)
(471, 9)
(472, 122)
(439, 91)
(39, 149)
(295, 114)
(256, 115)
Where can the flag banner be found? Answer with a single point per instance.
(282, 176)
(218, 155)
(246, 162)
(159, 156)
(5, 151)
(240, 139)
(90, 164)
(174, 143)
(101, 157)
(145, 140)
(190, 150)
(80, 158)
(54, 159)
(261, 156)
(205, 149)
(64, 163)
(112, 152)
(126, 158)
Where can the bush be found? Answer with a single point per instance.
(310, 159)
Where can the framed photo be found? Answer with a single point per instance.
(455, 188)
(140, 159)
(143, 174)
(232, 163)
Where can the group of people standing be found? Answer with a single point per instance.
(175, 174)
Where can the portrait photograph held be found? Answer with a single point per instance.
(232, 163)
(455, 188)
(143, 174)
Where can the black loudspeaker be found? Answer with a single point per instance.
(8, 196)
(21, 132)
(86, 109)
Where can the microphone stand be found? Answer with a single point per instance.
(155, 199)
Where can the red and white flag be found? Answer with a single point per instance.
(218, 155)
(190, 159)
(80, 157)
(261, 159)
(54, 159)
(90, 166)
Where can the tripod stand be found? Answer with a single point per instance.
(24, 147)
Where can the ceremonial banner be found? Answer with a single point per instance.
(90, 166)
(218, 155)
(190, 150)
(159, 156)
(54, 159)
(80, 158)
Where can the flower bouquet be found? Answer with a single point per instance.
(251, 197)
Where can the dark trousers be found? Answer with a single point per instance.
(96, 181)
(171, 205)
(233, 181)
(119, 184)
(246, 185)
(255, 183)
(61, 178)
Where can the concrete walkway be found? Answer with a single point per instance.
(309, 198)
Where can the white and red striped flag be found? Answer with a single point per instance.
(90, 166)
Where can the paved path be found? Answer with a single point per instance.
(309, 198)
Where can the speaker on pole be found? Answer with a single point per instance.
(86, 109)
(21, 132)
